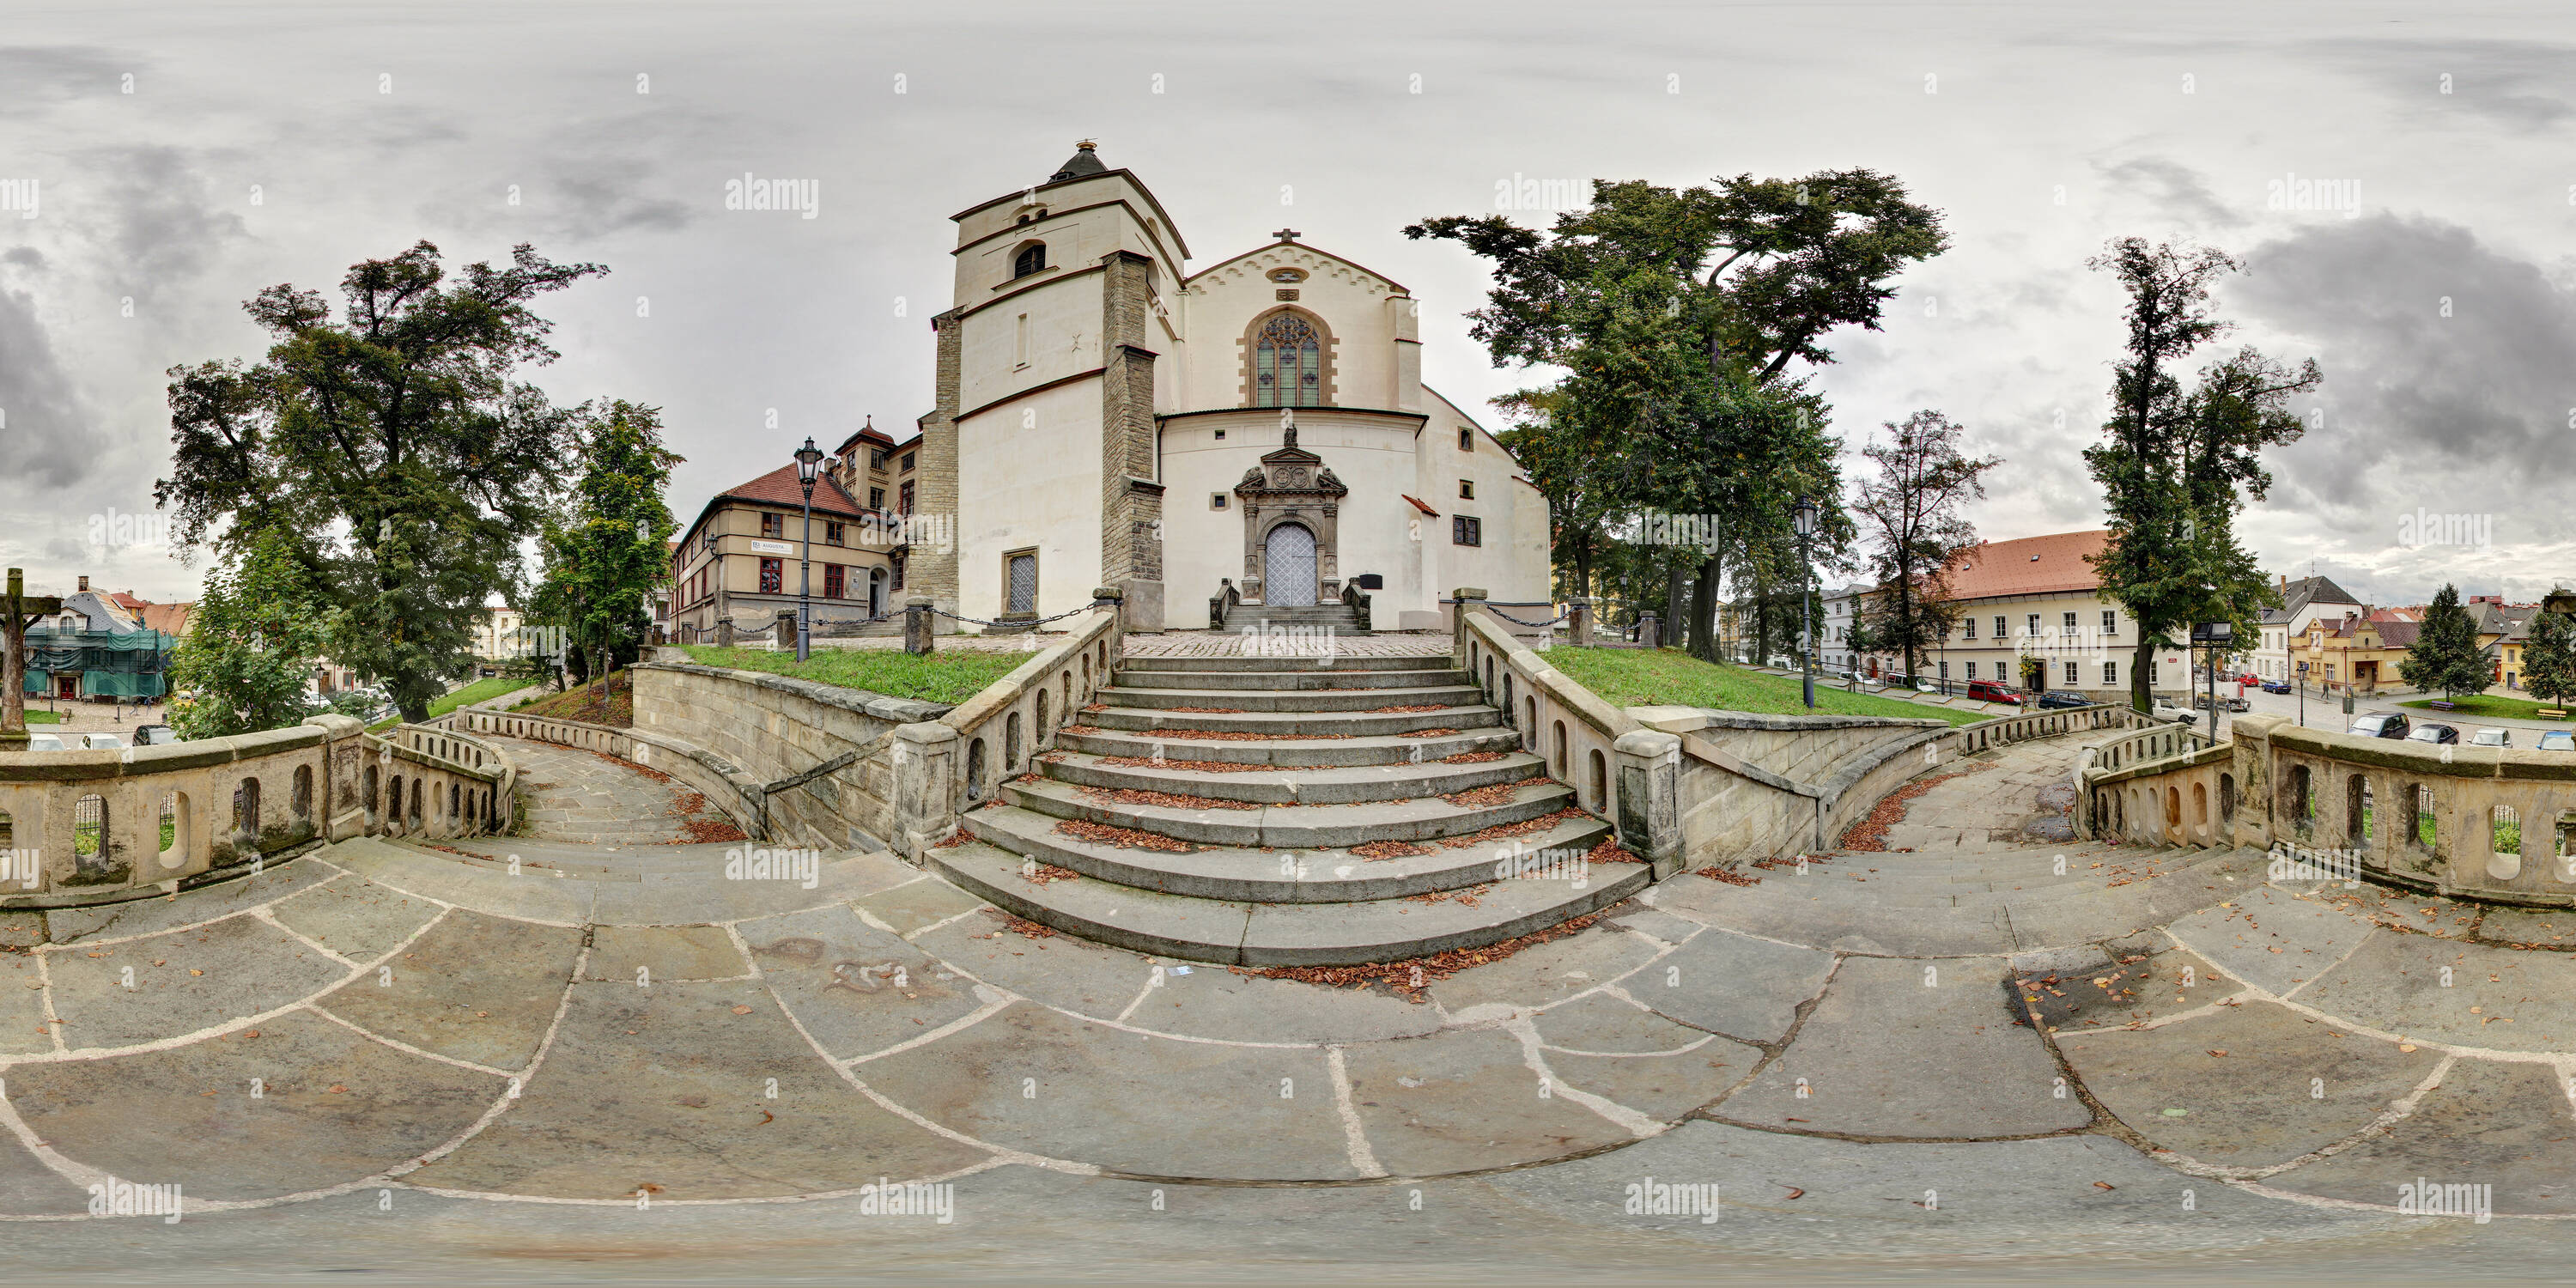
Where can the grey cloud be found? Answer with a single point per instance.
(2174, 188)
(60, 72)
(43, 439)
(166, 224)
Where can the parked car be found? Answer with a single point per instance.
(2433, 733)
(1871, 684)
(1924, 684)
(1993, 691)
(103, 741)
(2171, 714)
(44, 742)
(2380, 724)
(1778, 663)
(2200, 702)
(2491, 738)
(2276, 686)
(2056, 699)
(154, 735)
(2558, 740)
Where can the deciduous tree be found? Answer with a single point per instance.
(1911, 512)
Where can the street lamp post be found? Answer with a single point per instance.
(807, 457)
(1804, 512)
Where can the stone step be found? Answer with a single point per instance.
(1355, 700)
(1376, 749)
(1321, 785)
(1314, 680)
(1254, 660)
(1292, 826)
(1286, 876)
(1293, 724)
(1235, 932)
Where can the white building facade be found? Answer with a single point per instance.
(1107, 418)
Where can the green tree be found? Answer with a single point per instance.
(1911, 512)
(2445, 654)
(2176, 465)
(608, 549)
(1676, 314)
(2549, 656)
(391, 444)
(249, 652)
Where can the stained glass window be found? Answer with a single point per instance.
(1287, 363)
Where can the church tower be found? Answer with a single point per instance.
(1051, 372)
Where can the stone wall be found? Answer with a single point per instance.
(773, 729)
(85, 826)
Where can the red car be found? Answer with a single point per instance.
(1992, 691)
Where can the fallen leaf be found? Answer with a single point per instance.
(251, 1034)
(2405, 1046)
(2215, 1051)
(194, 971)
(336, 1089)
(2104, 1185)
(1795, 1192)
(742, 1010)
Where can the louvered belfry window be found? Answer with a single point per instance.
(1287, 363)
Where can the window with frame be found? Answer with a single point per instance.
(832, 535)
(2067, 623)
(2110, 621)
(1466, 439)
(773, 525)
(2073, 676)
(907, 461)
(1466, 489)
(1972, 670)
(2003, 627)
(836, 581)
(2110, 675)
(1465, 531)
(1031, 259)
(903, 498)
(1287, 363)
(1945, 670)
(876, 458)
(773, 576)
(1216, 500)
(876, 498)
(1971, 624)
(898, 570)
(2032, 620)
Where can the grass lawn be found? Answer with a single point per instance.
(36, 717)
(2486, 705)
(949, 676)
(479, 691)
(1627, 677)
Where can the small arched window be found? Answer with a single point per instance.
(1031, 258)
(1287, 363)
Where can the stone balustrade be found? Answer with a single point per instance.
(86, 826)
(741, 796)
(2490, 823)
(941, 768)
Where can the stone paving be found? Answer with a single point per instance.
(570, 794)
(1957, 1049)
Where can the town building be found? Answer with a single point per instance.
(1106, 417)
(740, 559)
(2303, 602)
(2032, 615)
(98, 645)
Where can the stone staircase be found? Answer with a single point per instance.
(1291, 811)
(1302, 619)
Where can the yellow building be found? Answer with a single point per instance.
(2033, 617)
(740, 559)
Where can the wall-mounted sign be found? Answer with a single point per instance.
(773, 547)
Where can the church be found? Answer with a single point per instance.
(1107, 417)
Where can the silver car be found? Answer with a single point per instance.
(2491, 738)
(44, 742)
(103, 741)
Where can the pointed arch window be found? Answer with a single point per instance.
(1287, 363)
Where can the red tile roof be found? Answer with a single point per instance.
(779, 487)
(2048, 565)
(169, 619)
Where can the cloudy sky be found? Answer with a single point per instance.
(187, 155)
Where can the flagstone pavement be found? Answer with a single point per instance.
(540, 1056)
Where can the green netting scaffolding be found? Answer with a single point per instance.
(110, 664)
